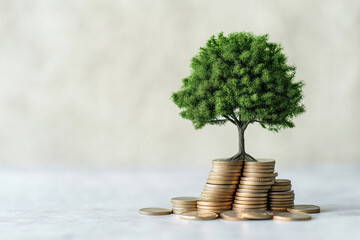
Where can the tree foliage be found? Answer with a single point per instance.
(241, 78)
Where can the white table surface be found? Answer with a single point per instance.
(92, 203)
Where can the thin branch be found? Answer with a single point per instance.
(238, 123)
(218, 120)
(255, 120)
(228, 118)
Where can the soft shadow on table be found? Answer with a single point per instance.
(341, 209)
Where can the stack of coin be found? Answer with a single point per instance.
(221, 184)
(184, 204)
(281, 196)
(255, 182)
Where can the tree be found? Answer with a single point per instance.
(241, 79)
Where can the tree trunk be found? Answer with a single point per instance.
(242, 155)
(241, 140)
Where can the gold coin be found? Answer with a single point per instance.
(285, 201)
(225, 170)
(288, 216)
(248, 174)
(221, 186)
(282, 182)
(218, 211)
(185, 200)
(280, 188)
(250, 202)
(221, 182)
(218, 193)
(302, 208)
(184, 205)
(277, 209)
(214, 194)
(221, 193)
(258, 170)
(282, 196)
(250, 198)
(257, 179)
(224, 174)
(227, 166)
(254, 187)
(256, 183)
(245, 190)
(261, 161)
(227, 162)
(214, 207)
(196, 215)
(177, 211)
(281, 193)
(222, 178)
(204, 203)
(180, 209)
(220, 190)
(256, 214)
(264, 167)
(281, 201)
(232, 215)
(249, 205)
(281, 205)
(216, 199)
(180, 212)
(242, 209)
(155, 211)
(240, 194)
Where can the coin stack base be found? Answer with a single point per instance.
(184, 204)
(221, 184)
(255, 182)
(281, 197)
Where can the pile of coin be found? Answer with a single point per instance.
(281, 196)
(184, 204)
(221, 184)
(255, 182)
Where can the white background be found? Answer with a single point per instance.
(89, 82)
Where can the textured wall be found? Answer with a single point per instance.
(89, 82)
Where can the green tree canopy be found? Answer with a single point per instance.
(241, 78)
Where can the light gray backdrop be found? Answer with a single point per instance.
(89, 82)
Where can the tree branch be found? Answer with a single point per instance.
(244, 125)
(218, 120)
(237, 122)
(228, 118)
(255, 120)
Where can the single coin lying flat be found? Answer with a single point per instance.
(232, 215)
(202, 215)
(155, 211)
(185, 200)
(257, 214)
(261, 161)
(288, 216)
(304, 208)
